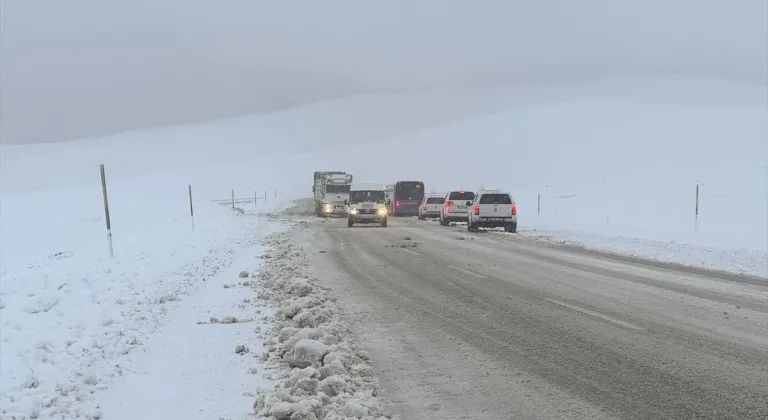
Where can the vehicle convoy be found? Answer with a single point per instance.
(331, 190)
(367, 204)
(455, 207)
(405, 197)
(492, 209)
(431, 206)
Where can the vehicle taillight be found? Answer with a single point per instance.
(514, 209)
(397, 203)
(476, 209)
(448, 203)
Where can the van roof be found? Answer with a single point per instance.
(367, 186)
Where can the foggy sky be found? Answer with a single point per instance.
(80, 68)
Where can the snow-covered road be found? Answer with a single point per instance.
(478, 326)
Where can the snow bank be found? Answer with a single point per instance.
(320, 371)
(740, 261)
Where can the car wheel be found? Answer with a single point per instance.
(384, 223)
(349, 223)
(511, 228)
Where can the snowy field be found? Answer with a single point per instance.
(75, 321)
(614, 164)
(618, 158)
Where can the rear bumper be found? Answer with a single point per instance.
(456, 216)
(405, 209)
(430, 214)
(485, 222)
(401, 212)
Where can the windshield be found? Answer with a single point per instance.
(495, 199)
(409, 190)
(337, 189)
(363, 195)
(435, 200)
(461, 195)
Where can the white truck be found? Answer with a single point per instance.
(367, 204)
(331, 191)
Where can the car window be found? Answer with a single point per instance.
(495, 199)
(461, 195)
(435, 200)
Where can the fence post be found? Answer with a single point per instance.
(696, 212)
(191, 209)
(255, 198)
(265, 196)
(233, 204)
(538, 206)
(275, 192)
(106, 211)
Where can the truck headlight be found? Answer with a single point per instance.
(328, 208)
(382, 211)
(353, 211)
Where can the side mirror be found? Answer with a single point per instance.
(469, 203)
(386, 201)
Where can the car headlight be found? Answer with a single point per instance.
(382, 211)
(353, 211)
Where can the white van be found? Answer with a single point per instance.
(367, 204)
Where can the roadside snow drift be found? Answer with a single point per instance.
(319, 370)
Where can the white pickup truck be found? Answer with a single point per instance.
(492, 209)
(367, 204)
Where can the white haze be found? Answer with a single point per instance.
(91, 67)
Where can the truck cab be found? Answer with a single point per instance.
(331, 191)
(367, 204)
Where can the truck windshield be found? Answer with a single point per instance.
(361, 196)
(337, 189)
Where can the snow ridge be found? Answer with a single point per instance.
(318, 369)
